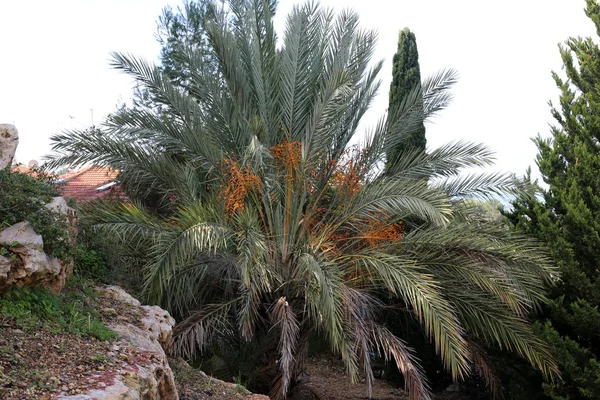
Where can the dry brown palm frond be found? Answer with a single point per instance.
(484, 368)
(284, 319)
(393, 348)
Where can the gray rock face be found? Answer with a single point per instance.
(157, 322)
(160, 323)
(117, 293)
(5, 265)
(147, 376)
(59, 204)
(9, 140)
(27, 263)
(24, 235)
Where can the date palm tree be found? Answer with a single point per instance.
(266, 212)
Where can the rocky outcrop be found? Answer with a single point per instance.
(59, 205)
(22, 258)
(9, 140)
(145, 373)
(24, 262)
(155, 323)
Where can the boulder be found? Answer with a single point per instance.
(155, 325)
(5, 266)
(147, 375)
(9, 140)
(59, 205)
(26, 264)
(117, 293)
(160, 323)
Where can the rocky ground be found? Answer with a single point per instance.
(48, 362)
(193, 384)
(41, 364)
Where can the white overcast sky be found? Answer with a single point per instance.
(54, 63)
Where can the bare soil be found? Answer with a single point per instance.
(193, 384)
(325, 378)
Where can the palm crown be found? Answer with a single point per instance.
(261, 218)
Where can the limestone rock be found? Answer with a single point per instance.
(117, 293)
(5, 266)
(147, 375)
(9, 140)
(28, 264)
(160, 323)
(59, 205)
(24, 234)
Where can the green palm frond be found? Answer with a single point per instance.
(403, 279)
(200, 328)
(171, 248)
(485, 186)
(416, 199)
(496, 325)
(422, 103)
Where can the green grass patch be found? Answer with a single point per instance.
(72, 311)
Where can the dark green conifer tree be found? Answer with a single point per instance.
(568, 220)
(180, 30)
(406, 79)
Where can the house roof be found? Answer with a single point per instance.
(89, 183)
(23, 169)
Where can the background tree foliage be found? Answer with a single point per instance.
(179, 31)
(262, 225)
(183, 30)
(406, 80)
(567, 218)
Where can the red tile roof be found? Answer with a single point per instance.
(83, 185)
(23, 169)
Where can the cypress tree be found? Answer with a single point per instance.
(406, 77)
(568, 219)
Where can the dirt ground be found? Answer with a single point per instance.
(326, 379)
(193, 384)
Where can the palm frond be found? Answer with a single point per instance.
(405, 280)
(496, 325)
(285, 321)
(197, 331)
(484, 367)
(393, 348)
